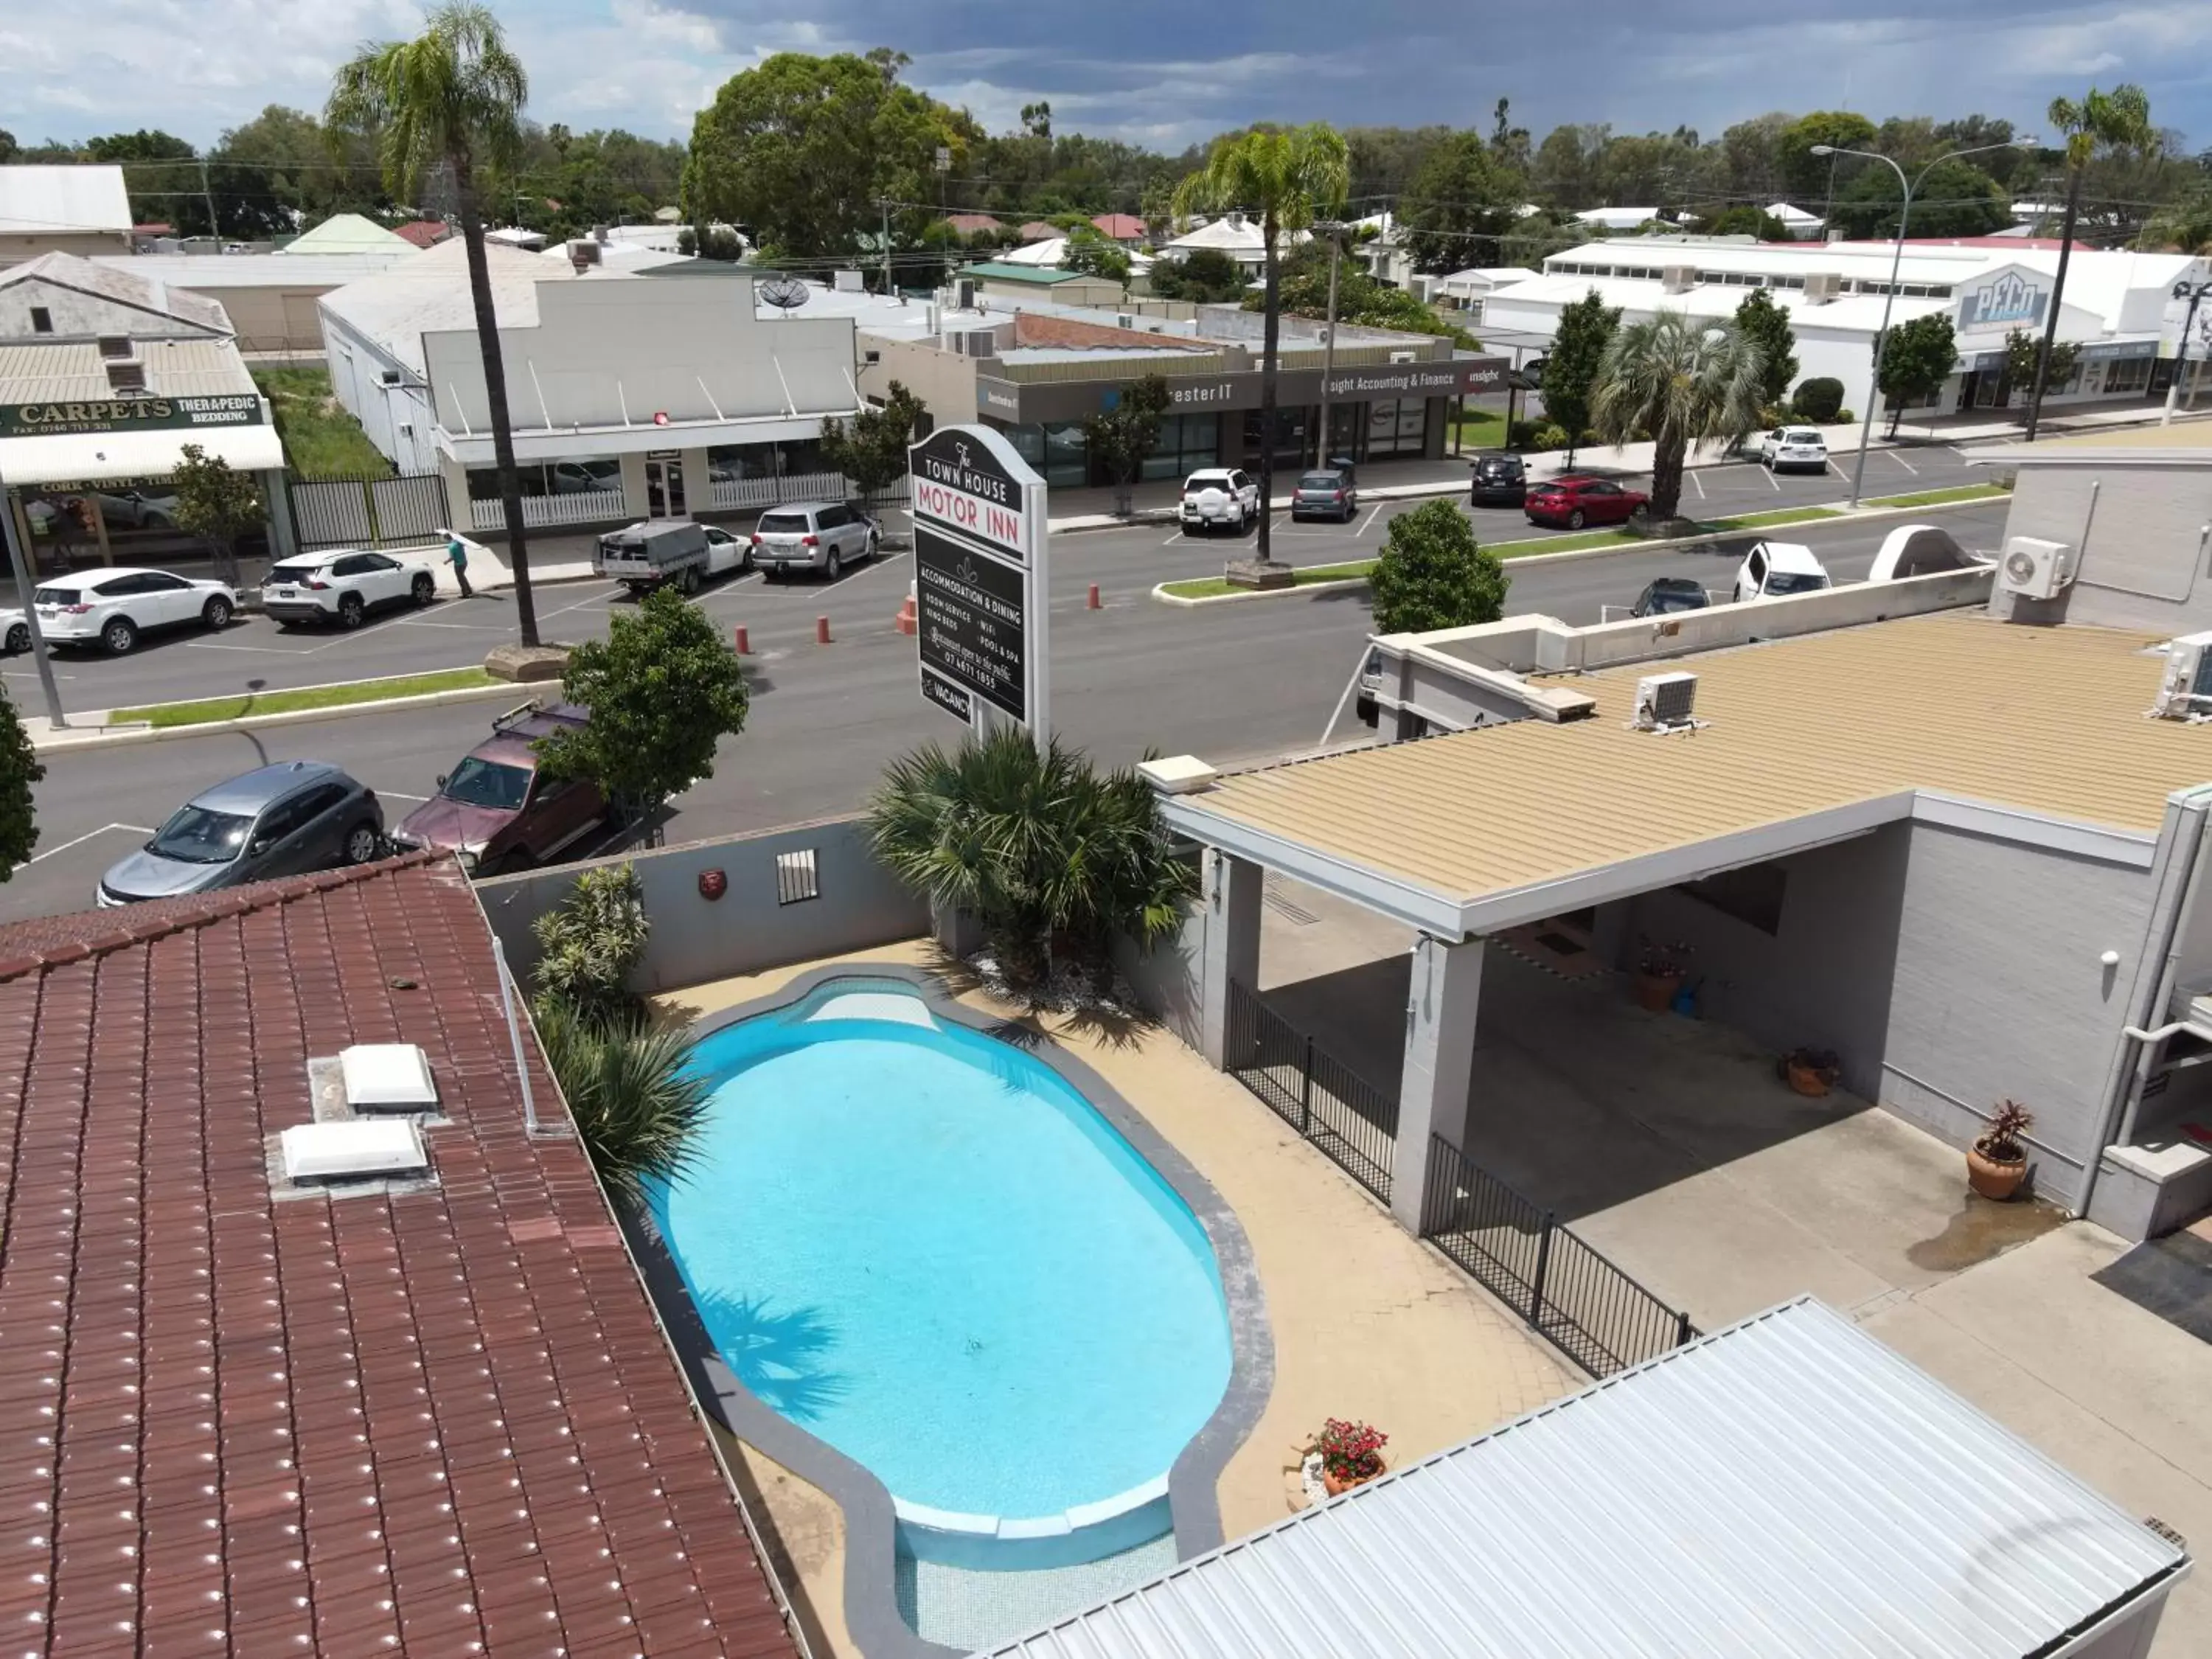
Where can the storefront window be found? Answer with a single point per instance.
(800, 456)
(736, 463)
(1185, 443)
(581, 475)
(125, 521)
(1058, 449)
(1397, 425)
(2127, 375)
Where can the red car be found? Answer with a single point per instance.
(496, 811)
(1575, 501)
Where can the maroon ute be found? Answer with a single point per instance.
(1575, 501)
(496, 811)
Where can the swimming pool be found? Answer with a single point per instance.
(924, 1246)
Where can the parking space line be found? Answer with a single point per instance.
(1772, 479)
(1902, 462)
(260, 650)
(1374, 513)
(135, 829)
(1696, 480)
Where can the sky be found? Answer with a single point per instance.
(1164, 73)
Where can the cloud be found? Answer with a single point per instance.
(1160, 72)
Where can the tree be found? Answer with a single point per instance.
(1123, 436)
(282, 169)
(1566, 170)
(1089, 252)
(1286, 179)
(1463, 200)
(1742, 221)
(1570, 369)
(1204, 276)
(1951, 198)
(1821, 399)
(1431, 573)
(8, 146)
(1361, 300)
(2023, 353)
(1916, 358)
(20, 768)
(450, 100)
(217, 504)
(1766, 325)
(160, 172)
(2103, 121)
(638, 1101)
(871, 451)
(663, 689)
(1805, 175)
(589, 943)
(1683, 380)
(800, 150)
(1035, 843)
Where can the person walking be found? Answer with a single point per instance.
(456, 555)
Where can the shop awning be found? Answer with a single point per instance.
(99, 457)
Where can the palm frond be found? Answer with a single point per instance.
(637, 1101)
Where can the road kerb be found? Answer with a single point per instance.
(77, 737)
(1838, 514)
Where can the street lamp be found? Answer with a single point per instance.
(1889, 299)
(2192, 292)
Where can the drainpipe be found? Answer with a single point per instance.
(2178, 878)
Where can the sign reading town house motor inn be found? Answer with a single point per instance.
(979, 545)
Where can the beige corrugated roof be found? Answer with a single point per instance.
(2046, 720)
(68, 371)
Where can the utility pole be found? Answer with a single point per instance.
(2073, 172)
(214, 227)
(884, 204)
(1333, 229)
(2195, 294)
(19, 557)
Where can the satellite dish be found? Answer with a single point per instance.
(784, 291)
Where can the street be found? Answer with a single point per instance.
(255, 654)
(1228, 682)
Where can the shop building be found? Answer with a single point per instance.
(105, 378)
(645, 391)
(2118, 308)
(63, 210)
(270, 299)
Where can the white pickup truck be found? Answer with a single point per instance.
(642, 555)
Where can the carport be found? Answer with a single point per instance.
(1862, 843)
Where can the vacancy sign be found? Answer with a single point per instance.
(980, 545)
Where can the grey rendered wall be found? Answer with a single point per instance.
(76, 313)
(1166, 978)
(1947, 971)
(2140, 533)
(695, 939)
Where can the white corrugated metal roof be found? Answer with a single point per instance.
(429, 292)
(1785, 1486)
(63, 200)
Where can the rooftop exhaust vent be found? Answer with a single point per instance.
(362, 1149)
(388, 1077)
(1666, 702)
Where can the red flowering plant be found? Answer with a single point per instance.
(1350, 1451)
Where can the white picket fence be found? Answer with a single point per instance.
(767, 492)
(542, 512)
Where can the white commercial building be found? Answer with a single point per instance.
(2118, 307)
(636, 391)
(63, 210)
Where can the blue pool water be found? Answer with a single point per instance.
(922, 1245)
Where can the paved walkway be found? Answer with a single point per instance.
(1366, 1322)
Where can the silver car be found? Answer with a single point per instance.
(279, 820)
(823, 536)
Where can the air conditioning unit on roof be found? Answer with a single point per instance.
(2034, 568)
(1666, 702)
(2186, 691)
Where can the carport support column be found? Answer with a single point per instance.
(1440, 1007)
(1232, 943)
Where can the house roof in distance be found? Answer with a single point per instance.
(1118, 226)
(1012, 273)
(66, 200)
(1787, 1486)
(433, 1417)
(345, 233)
(423, 233)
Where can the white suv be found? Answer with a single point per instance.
(112, 608)
(1794, 446)
(1219, 496)
(342, 585)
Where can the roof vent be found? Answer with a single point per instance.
(126, 377)
(1677, 279)
(849, 282)
(362, 1149)
(2186, 691)
(1666, 702)
(387, 1077)
(584, 254)
(114, 346)
(1821, 287)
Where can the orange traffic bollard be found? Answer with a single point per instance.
(745, 644)
(1094, 605)
(905, 622)
(822, 630)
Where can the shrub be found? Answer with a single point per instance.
(1350, 1451)
(1845, 417)
(1817, 399)
(1432, 573)
(1549, 436)
(589, 944)
(637, 1101)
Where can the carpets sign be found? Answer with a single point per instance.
(980, 547)
(127, 415)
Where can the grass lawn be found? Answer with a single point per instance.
(1938, 497)
(316, 697)
(322, 439)
(1208, 587)
(1483, 428)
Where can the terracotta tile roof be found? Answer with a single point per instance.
(437, 1422)
(423, 233)
(1033, 328)
(968, 223)
(1120, 227)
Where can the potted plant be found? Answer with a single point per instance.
(1811, 1070)
(1659, 971)
(1351, 1454)
(1998, 1162)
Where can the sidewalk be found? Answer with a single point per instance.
(2001, 426)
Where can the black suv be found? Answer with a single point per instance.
(1499, 481)
(1671, 593)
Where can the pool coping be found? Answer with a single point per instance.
(871, 1605)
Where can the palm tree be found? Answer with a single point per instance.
(1286, 178)
(450, 98)
(637, 1100)
(2119, 119)
(1682, 380)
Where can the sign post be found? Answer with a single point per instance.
(980, 565)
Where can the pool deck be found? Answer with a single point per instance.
(1367, 1321)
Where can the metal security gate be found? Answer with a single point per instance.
(368, 512)
(1313, 1091)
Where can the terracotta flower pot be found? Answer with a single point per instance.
(1812, 1080)
(1995, 1178)
(1656, 991)
(1338, 1487)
